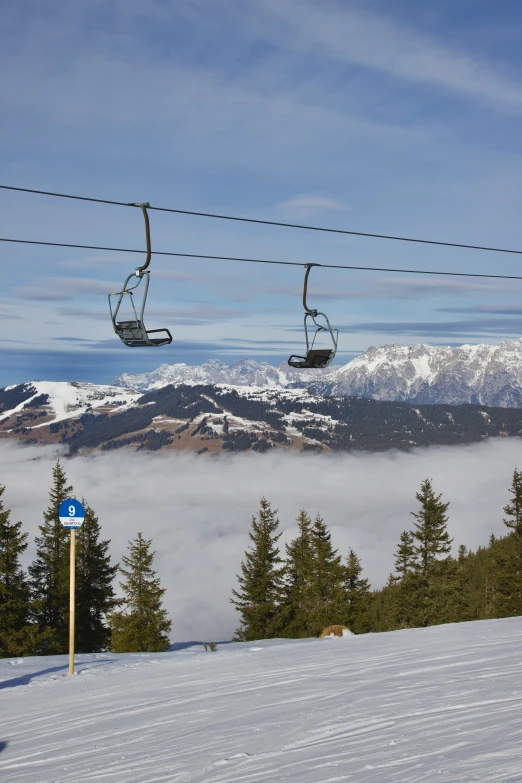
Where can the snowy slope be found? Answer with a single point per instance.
(431, 704)
(63, 400)
(483, 374)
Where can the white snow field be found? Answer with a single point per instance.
(431, 704)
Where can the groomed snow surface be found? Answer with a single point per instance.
(430, 704)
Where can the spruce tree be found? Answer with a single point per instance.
(94, 593)
(327, 579)
(49, 572)
(403, 585)
(427, 590)
(260, 582)
(508, 557)
(16, 637)
(405, 557)
(143, 624)
(357, 594)
(513, 510)
(299, 598)
(430, 531)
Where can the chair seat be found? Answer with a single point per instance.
(316, 358)
(134, 335)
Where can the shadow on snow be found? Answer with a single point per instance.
(185, 645)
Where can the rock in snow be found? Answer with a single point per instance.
(483, 374)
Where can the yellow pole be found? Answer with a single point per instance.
(71, 602)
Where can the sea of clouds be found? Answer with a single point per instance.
(198, 509)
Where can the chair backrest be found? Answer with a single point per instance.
(130, 331)
(319, 357)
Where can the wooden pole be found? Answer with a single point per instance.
(71, 601)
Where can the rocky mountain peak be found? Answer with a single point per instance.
(485, 374)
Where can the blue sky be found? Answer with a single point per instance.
(393, 117)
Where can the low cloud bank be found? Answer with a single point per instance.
(198, 510)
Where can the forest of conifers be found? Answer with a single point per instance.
(293, 594)
(313, 586)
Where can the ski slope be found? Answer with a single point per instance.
(434, 704)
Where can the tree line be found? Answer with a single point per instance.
(314, 587)
(297, 596)
(34, 605)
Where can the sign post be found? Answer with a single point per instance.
(72, 514)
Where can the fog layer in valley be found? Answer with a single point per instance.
(198, 510)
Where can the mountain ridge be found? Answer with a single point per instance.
(479, 374)
(223, 418)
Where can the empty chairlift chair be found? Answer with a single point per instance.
(315, 358)
(133, 332)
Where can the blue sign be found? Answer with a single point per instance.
(71, 514)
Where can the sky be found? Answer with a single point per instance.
(393, 117)
(198, 510)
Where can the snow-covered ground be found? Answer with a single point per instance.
(434, 704)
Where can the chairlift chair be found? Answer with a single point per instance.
(315, 358)
(133, 332)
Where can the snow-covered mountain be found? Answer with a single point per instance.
(247, 372)
(38, 404)
(215, 418)
(483, 374)
(423, 704)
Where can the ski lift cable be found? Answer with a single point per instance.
(264, 260)
(258, 221)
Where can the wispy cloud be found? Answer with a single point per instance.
(491, 309)
(379, 286)
(307, 206)
(474, 328)
(64, 289)
(35, 294)
(380, 43)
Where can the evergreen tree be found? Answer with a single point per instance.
(425, 590)
(50, 572)
(16, 636)
(143, 624)
(260, 583)
(299, 595)
(451, 592)
(357, 591)
(405, 558)
(508, 557)
(513, 510)
(94, 593)
(327, 591)
(430, 531)
(403, 585)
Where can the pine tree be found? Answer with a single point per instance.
(357, 592)
(508, 556)
(431, 528)
(405, 557)
(50, 572)
(260, 583)
(16, 637)
(403, 585)
(513, 509)
(143, 624)
(298, 601)
(327, 579)
(426, 590)
(94, 593)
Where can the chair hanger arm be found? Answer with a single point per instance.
(305, 290)
(143, 267)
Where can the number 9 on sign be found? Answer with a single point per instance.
(71, 514)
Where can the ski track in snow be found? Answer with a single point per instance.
(432, 704)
